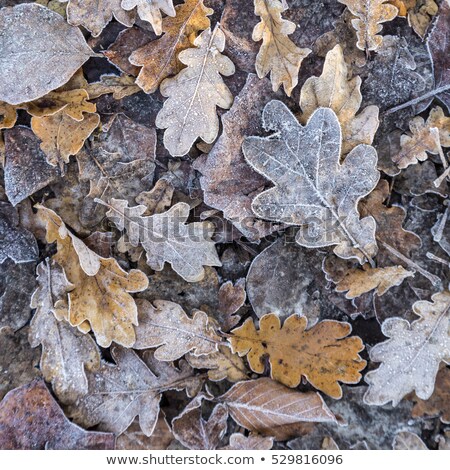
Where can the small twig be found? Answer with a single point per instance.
(438, 259)
(430, 94)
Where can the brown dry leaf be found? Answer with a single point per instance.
(231, 299)
(167, 238)
(31, 419)
(228, 182)
(334, 90)
(221, 364)
(119, 164)
(34, 41)
(421, 14)
(100, 297)
(134, 439)
(312, 188)
(25, 166)
(426, 137)
(369, 16)
(323, 354)
(159, 59)
(193, 94)
(271, 409)
(194, 432)
(166, 326)
(94, 15)
(119, 85)
(19, 364)
(252, 442)
(329, 444)
(278, 54)
(8, 115)
(62, 136)
(150, 10)
(411, 356)
(66, 352)
(359, 281)
(439, 403)
(119, 393)
(406, 440)
(158, 199)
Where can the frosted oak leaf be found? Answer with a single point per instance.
(312, 188)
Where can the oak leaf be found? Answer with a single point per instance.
(160, 59)
(101, 297)
(119, 393)
(271, 409)
(150, 10)
(410, 358)
(193, 94)
(120, 86)
(439, 403)
(369, 16)
(252, 442)
(426, 137)
(166, 326)
(167, 238)
(119, 164)
(221, 364)
(421, 14)
(8, 115)
(323, 354)
(66, 352)
(194, 432)
(63, 136)
(33, 41)
(278, 54)
(31, 419)
(359, 281)
(406, 440)
(311, 186)
(334, 90)
(94, 15)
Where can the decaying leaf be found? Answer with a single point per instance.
(48, 428)
(312, 187)
(252, 442)
(166, 326)
(271, 409)
(228, 182)
(221, 364)
(16, 243)
(59, 365)
(120, 86)
(334, 90)
(278, 54)
(323, 354)
(101, 287)
(421, 15)
(426, 137)
(411, 356)
(406, 440)
(34, 40)
(167, 238)
(231, 299)
(119, 393)
(369, 16)
(150, 10)
(194, 432)
(159, 59)
(359, 281)
(19, 364)
(63, 136)
(16, 286)
(94, 15)
(439, 403)
(193, 94)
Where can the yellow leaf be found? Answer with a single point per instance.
(101, 290)
(334, 90)
(278, 54)
(8, 115)
(159, 59)
(322, 354)
(369, 16)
